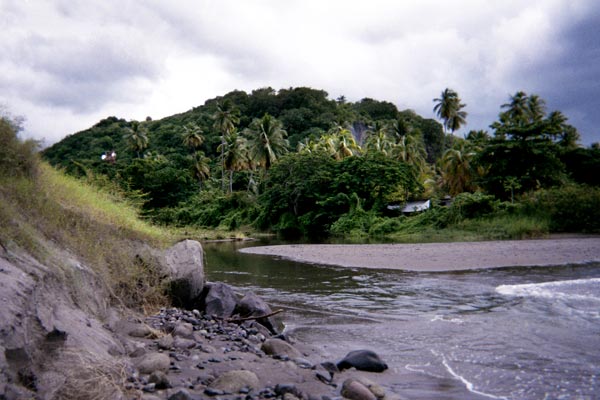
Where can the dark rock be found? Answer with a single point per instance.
(218, 300)
(251, 305)
(160, 380)
(184, 263)
(149, 388)
(213, 392)
(362, 360)
(285, 388)
(181, 395)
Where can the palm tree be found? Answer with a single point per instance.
(457, 173)
(378, 140)
(137, 137)
(201, 167)
(410, 148)
(235, 154)
(340, 143)
(449, 109)
(266, 141)
(192, 136)
(517, 110)
(536, 108)
(225, 119)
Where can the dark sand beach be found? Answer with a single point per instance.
(442, 256)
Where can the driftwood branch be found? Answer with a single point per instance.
(258, 317)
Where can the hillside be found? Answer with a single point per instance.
(299, 164)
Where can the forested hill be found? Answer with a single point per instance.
(303, 112)
(295, 161)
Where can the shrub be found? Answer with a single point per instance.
(570, 208)
(17, 158)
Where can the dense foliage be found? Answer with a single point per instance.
(297, 163)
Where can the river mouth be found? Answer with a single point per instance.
(515, 333)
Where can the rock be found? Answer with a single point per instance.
(181, 395)
(153, 362)
(278, 347)
(184, 263)
(354, 390)
(251, 305)
(139, 349)
(140, 331)
(220, 300)
(184, 330)
(182, 343)
(160, 380)
(374, 387)
(234, 381)
(282, 389)
(362, 360)
(165, 342)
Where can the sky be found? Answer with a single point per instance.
(66, 64)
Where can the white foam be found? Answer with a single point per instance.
(576, 289)
(469, 385)
(446, 319)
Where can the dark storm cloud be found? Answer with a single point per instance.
(570, 82)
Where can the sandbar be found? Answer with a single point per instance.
(454, 256)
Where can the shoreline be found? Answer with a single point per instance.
(440, 257)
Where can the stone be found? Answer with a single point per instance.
(140, 331)
(182, 343)
(220, 300)
(234, 381)
(153, 362)
(184, 329)
(165, 342)
(251, 305)
(160, 380)
(374, 387)
(184, 263)
(181, 394)
(280, 348)
(362, 360)
(354, 390)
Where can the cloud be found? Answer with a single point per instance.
(80, 61)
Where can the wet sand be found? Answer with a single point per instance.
(454, 256)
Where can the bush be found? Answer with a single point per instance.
(17, 158)
(357, 222)
(472, 205)
(570, 208)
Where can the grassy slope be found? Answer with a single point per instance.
(54, 213)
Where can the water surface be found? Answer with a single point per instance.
(510, 333)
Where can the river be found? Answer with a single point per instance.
(509, 333)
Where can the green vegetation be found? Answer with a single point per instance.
(298, 164)
(55, 217)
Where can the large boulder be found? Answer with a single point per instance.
(184, 264)
(218, 299)
(362, 360)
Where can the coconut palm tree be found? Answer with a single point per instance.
(378, 139)
(235, 154)
(192, 136)
(457, 173)
(225, 119)
(517, 110)
(450, 109)
(137, 137)
(266, 141)
(410, 148)
(200, 167)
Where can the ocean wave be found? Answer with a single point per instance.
(576, 289)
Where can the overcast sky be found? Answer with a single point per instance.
(66, 64)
